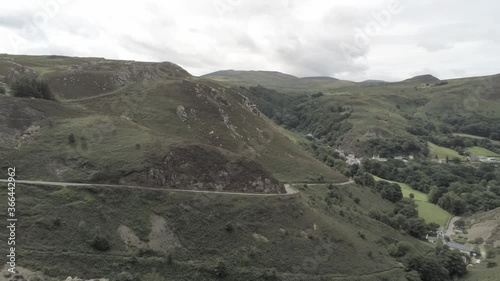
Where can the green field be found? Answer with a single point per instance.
(442, 152)
(481, 151)
(433, 213)
(406, 189)
(475, 137)
(428, 211)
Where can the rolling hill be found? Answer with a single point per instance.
(134, 122)
(414, 111)
(426, 78)
(278, 81)
(154, 130)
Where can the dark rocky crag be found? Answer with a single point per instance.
(196, 167)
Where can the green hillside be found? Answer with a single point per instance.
(129, 120)
(186, 236)
(151, 128)
(422, 116)
(477, 150)
(442, 152)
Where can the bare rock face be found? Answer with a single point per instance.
(199, 168)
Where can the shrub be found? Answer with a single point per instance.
(101, 243)
(270, 274)
(490, 253)
(56, 222)
(399, 250)
(356, 200)
(2, 90)
(459, 223)
(124, 276)
(478, 241)
(229, 227)
(153, 276)
(491, 264)
(220, 270)
(26, 87)
(71, 139)
(402, 248)
(413, 276)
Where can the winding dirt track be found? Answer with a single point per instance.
(288, 188)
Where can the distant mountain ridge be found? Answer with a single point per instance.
(277, 81)
(426, 78)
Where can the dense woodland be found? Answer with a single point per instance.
(302, 113)
(457, 188)
(460, 188)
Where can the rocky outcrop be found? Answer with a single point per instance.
(251, 106)
(201, 168)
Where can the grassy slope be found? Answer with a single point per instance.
(300, 238)
(476, 150)
(442, 152)
(475, 137)
(121, 123)
(384, 110)
(487, 226)
(428, 211)
(480, 272)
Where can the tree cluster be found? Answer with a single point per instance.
(27, 87)
(459, 189)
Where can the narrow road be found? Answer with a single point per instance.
(350, 181)
(289, 190)
(450, 226)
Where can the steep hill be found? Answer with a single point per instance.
(145, 123)
(391, 119)
(485, 225)
(153, 125)
(182, 236)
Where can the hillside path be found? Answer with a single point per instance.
(450, 226)
(350, 181)
(289, 190)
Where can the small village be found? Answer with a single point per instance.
(351, 158)
(473, 255)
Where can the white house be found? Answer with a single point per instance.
(377, 158)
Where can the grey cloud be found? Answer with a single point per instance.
(166, 53)
(435, 46)
(16, 21)
(303, 38)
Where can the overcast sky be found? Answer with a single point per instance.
(355, 40)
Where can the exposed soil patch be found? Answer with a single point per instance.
(485, 225)
(162, 238)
